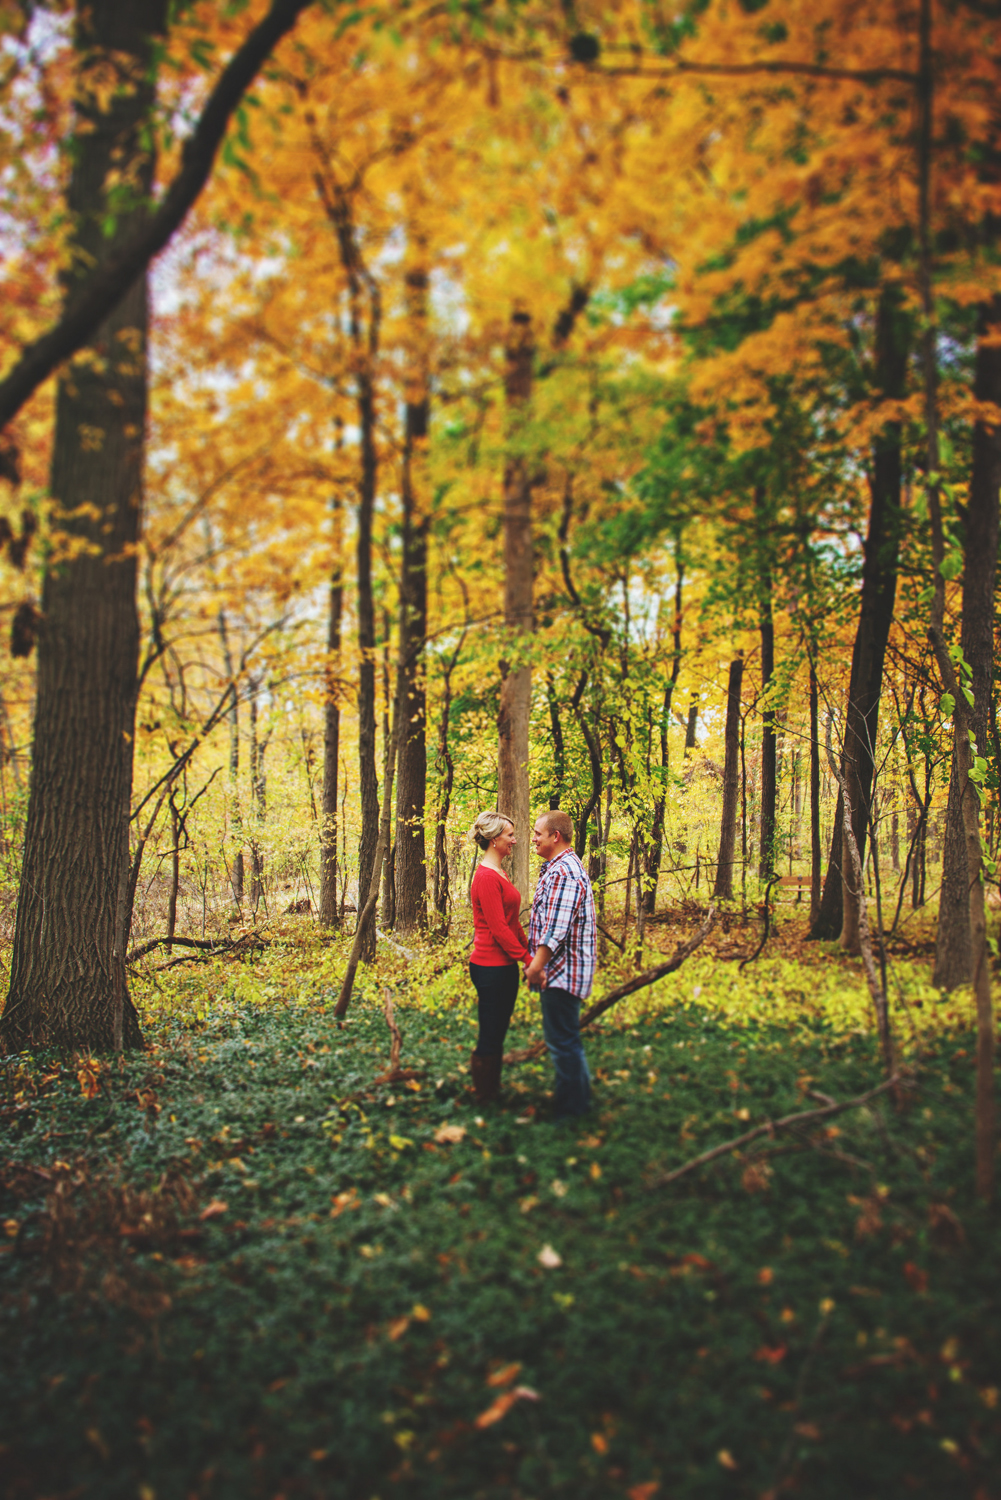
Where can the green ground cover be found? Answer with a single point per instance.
(237, 1266)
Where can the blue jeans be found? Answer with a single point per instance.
(561, 1028)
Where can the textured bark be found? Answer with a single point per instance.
(410, 864)
(878, 593)
(68, 982)
(723, 890)
(516, 681)
(952, 950)
(329, 910)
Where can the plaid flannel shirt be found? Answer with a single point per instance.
(563, 907)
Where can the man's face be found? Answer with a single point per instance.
(544, 842)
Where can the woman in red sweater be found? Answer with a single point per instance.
(499, 948)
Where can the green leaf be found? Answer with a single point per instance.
(951, 565)
(947, 704)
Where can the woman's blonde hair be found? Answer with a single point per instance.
(487, 826)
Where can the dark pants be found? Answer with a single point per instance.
(496, 991)
(561, 1028)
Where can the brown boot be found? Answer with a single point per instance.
(486, 1073)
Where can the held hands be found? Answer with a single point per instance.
(535, 973)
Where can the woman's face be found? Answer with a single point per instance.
(504, 842)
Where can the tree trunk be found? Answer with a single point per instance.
(329, 911)
(411, 793)
(367, 776)
(691, 743)
(766, 860)
(175, 871)
(516, 680)
(815, 847)
(389, 863)
(656, 850)
(952, 949)
(559, 751)
(233, 716)
(879, 588)
(258, 802)
(68, 982)
(723, 890)
(365, 332)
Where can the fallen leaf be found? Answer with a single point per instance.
(549, 1258)
(397, 1328)
(726, 1458)
(342, 1201)
(808, 1430)
(770, 1356)
(595, 1170)
(420, 1313)
(599, 1442)
(450, 1133)
(766, 1276)
(214, 1209)
(644, 1491)
(503, 1404)
(504, 1375)
(755, 1177)
(527, 1204)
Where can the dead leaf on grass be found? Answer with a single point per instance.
(502, 1405)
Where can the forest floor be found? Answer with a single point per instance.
(238, 1265)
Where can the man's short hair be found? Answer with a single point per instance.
(559, 822)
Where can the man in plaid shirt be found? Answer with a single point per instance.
(563, 933)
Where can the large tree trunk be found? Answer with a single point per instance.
(516, 680)
(723, 890)
(411, 791)
(68, 982)
(952, 950)
(329, 911)
(879, 589)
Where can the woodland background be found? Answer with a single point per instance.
(673, 311)
(425, 408)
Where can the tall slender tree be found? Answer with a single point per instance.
(411, 788)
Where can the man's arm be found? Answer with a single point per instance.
(560, 906)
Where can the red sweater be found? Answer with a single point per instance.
(499, 936)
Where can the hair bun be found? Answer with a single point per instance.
(487, 826)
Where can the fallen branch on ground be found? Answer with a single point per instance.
(788, 1122)
(205, 945)
(638, 982)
